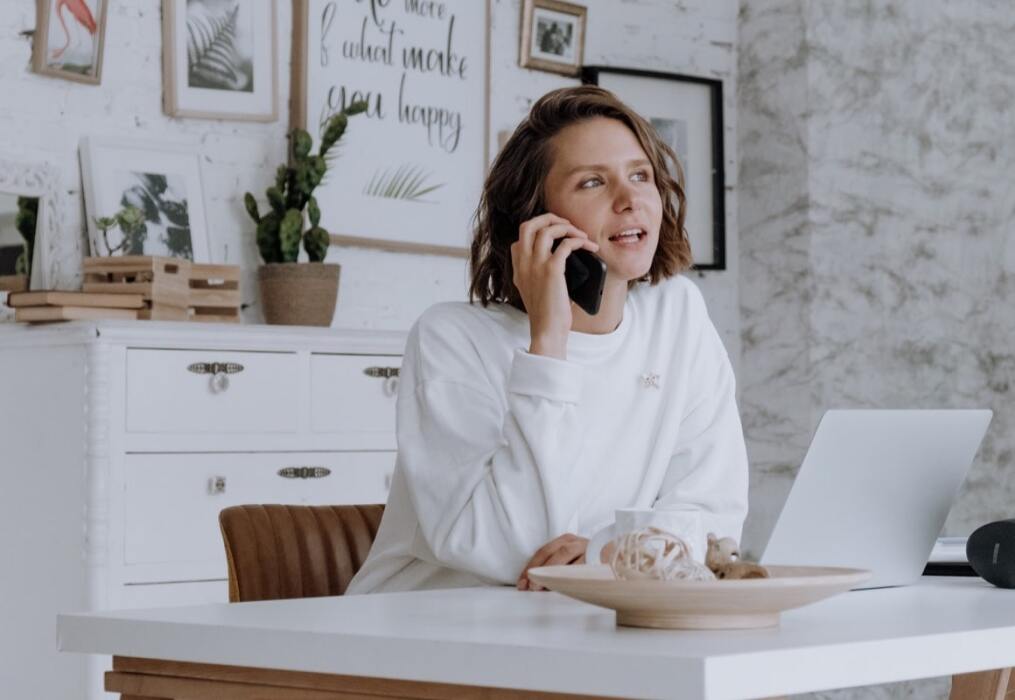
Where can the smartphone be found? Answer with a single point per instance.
(585, 275)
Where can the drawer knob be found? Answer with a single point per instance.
(219, 372)
(216, 485)
(304, 472)
(390, 376)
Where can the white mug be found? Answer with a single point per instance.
(685, 523)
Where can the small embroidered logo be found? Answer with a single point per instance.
(650, 380)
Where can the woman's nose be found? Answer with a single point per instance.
(625, 197)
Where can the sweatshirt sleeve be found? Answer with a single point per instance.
(708, 469)
(488, 481)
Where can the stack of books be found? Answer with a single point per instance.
(48, 306)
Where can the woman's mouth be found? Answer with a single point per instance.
(631, 236)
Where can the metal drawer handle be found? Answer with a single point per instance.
(390, 376)
(215, 368)
(304, 472)
(219, 372)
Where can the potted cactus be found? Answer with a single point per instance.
(298, 293)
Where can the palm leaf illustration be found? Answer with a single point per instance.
(212, 58)
(408, 182)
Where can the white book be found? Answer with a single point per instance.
(949, 550)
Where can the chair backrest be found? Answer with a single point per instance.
(280, 551)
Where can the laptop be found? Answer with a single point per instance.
(874, 490)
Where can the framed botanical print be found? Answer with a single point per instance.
(69, 39)
(220, 59)
(553, 36)
(162, 181)
(686, 112)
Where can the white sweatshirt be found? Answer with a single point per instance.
(501, 451)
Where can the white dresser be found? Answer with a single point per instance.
(120, 442)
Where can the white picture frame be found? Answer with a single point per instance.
(220, 59)
(158, 177)
(381, 161)
(39, 180)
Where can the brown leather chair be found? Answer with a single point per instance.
(279, 551)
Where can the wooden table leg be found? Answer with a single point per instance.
(985, 685)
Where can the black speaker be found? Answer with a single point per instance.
(991, 552)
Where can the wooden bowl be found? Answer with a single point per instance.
(700, 605)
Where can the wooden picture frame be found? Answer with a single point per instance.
(308, 28)
(687, 112)
(226, 84)
(84, 27)
(553, 36)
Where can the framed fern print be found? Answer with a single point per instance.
(220, 59)
(409, 171)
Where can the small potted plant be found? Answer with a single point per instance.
(298, 293)
(131, 221)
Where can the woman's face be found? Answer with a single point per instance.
(603, 183)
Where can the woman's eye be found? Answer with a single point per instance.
(641, 175)
(591, 181)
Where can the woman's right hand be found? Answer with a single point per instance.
(539, 278)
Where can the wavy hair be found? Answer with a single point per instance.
(514, 191)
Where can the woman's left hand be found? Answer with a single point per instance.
(566, 549)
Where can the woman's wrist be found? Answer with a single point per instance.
(549, 346)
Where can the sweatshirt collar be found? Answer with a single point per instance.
(585, 348)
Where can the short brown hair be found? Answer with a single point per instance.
(514, 189)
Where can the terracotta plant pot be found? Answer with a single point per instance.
(299, 294)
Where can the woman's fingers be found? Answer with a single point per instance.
(542, 555)
(569, 553)
(566, 549)
(528, 229)
(568, 246)
(542, 246)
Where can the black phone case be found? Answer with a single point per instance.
(584, 275)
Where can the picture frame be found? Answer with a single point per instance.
(41, 182)
(388, 156)
(220, 59)
(69, 39)
(161, 179)
(687, 113)
(553, 36)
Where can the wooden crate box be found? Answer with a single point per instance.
(215, 293)
(164, 283)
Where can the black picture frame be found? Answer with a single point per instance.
(613, 79)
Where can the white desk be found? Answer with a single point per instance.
(502, 638)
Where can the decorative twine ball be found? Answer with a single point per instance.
(654, 554)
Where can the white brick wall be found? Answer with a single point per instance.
(43, 119)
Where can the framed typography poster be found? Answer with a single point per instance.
(408, 173)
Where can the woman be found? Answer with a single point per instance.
(524, 422)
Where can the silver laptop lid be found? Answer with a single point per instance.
(874, 490)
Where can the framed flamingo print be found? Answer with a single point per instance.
(69, 38)
(220, 59)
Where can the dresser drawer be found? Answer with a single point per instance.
(354, 395)
(173, 501)
(175, 391)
